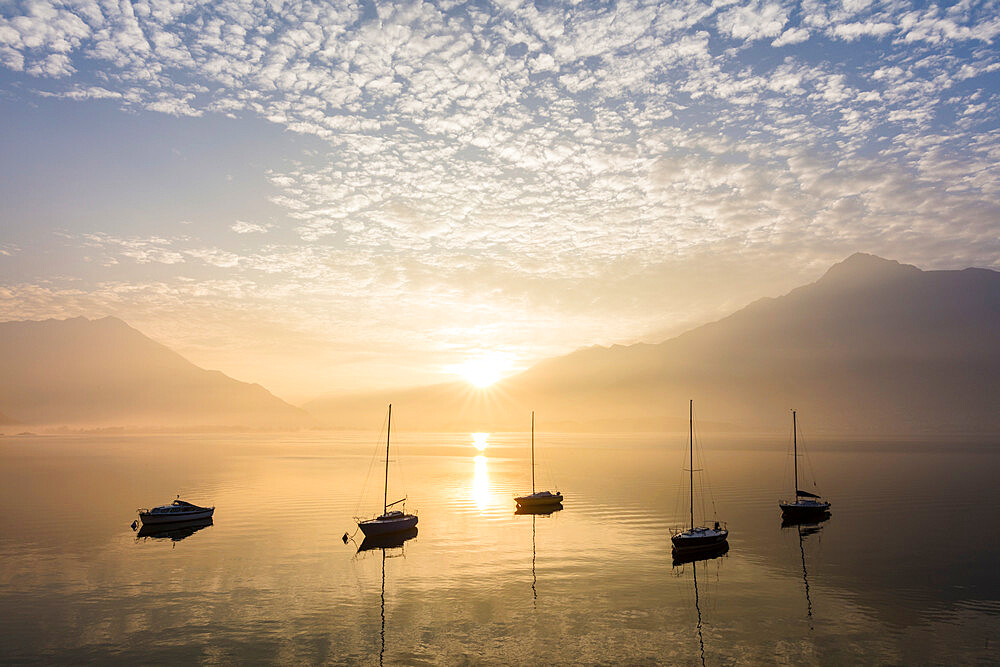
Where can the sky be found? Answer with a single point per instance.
(332, 197)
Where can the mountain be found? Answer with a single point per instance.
(88, 373)
(873, 347)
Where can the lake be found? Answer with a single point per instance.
(904, 572)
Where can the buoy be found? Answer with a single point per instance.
(135, 524)
(345, 538)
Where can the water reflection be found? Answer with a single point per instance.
(693, 560)
(535, 512)
(172, 531)
(480, 440)
(805, 528)
(481, 483)
(385, 543)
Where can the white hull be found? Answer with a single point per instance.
(382, 526)
(149, 519)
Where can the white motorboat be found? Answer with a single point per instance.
(176, 512)
(805, 504)
(390, 521)
(697, 538)
(537, 498)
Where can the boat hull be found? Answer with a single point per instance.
(699, 539)
(381, 526)
(804, 508)
(539, 501)
(154, 519)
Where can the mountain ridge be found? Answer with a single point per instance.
(854, 350)
(103, 372)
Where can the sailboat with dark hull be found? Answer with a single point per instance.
(390, 521)
(697, 538)
(537, 499)
(806, 505)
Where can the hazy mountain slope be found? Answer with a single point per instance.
(872, 347)
(104, 372)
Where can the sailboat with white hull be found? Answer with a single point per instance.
(805, 504)
(390, 521)
(697, 538)
(537, 499)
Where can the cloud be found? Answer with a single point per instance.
(243, 227)
(518, 154)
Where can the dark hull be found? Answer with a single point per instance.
(691, 544)
(376, 527)
(539, 501)
(804, 511)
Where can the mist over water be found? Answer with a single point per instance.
(903, 572)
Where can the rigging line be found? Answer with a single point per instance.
(703, 480)
(809, 465)
(371, 466)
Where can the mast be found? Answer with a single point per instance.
(795, 453)
(385, 494)
(532, 452)
(691, 454)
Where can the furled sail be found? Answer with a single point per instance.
(806, 494)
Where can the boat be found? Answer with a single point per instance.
(697, 538)
(537, 498)
(805, 504)
(176, 512)
(390, 521)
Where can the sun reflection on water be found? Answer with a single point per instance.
(481, 483)
(479, 440)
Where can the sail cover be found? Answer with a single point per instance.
(806, 494)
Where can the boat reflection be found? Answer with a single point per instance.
(692, 559)
(481, 483)
(175, 532)
(805, 528)
(535, 512)
(385, 543)
(388, 541)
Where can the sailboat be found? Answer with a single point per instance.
(537, 498)
(697, 538)
(806, 504)
(390, 521)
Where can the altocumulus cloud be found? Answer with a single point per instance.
(495, 148)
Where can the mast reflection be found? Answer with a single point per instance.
(385, 543)
(805, 528)
(535, 512)
(683, 559)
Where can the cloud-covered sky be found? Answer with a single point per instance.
(327, 196)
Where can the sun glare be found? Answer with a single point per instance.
(479, 440)
(485, 370)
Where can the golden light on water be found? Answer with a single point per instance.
(480, 440)
(481, 483)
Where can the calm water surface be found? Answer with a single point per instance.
(905, 571)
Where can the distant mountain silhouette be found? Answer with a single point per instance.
(873, 347)
(82, 372)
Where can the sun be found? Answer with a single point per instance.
(485, 370)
